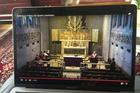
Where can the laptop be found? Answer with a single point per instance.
(45, 36)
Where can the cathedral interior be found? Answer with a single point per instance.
(74, 47)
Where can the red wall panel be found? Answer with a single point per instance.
(13, 1)
(46, 2)
(6, 6)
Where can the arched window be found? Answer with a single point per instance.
(131, 21)
(114, 20)
(119, 20)
(126, 20)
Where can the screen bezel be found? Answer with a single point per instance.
(77, 10)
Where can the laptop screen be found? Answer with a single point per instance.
(90, 48)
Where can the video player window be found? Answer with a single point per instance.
(80, 51)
